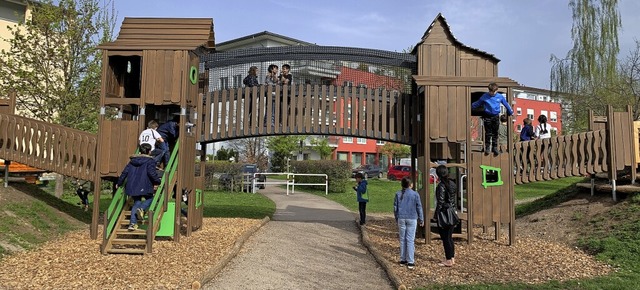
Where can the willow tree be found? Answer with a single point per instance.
(584, 77)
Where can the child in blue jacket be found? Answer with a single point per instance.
(361, 189)
(491, 120)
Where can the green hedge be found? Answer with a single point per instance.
(338, 172)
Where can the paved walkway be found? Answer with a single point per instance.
(311, 243)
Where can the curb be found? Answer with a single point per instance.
(379, 257)
(212, 272)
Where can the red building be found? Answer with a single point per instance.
(531, 104)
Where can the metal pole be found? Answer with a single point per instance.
(6, 172)
(593, 184)
(613, 190)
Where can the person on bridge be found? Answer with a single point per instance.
(362, 197)
(169, 132)
(491, 120)
(251, 80)
(142, 180)
(407, 210)
(286, 78)
(272, 75)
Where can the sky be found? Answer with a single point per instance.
(523, 34)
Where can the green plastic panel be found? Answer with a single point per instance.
(168, 221)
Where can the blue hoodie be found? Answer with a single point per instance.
(492, 104)
(360, 189)
(141, 175)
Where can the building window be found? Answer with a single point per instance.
(347, 140)
(237, 81)
(530, 114)
(347, 84)
(518, 111)
(12, 12)
(343, 156)
(362, 141)
(518, 128)
(224, 83)
(545, 113)
(553, 117)
(356, 158)
(379, 142)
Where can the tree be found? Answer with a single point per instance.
(281, 148)
(321, 145)
(395, 150)
(630, 80)
(585, 75)
(251, 150)
(54, 65)
(226, 154)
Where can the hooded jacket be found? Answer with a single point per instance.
(141, 175)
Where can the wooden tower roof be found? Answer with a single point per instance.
(163, 33)
(453, 39)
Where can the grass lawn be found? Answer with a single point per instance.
(235, 204)
(544, 188)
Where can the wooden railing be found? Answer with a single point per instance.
(307, 109)
(46, 146)
(561, 156)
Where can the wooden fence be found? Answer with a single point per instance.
(50, 147)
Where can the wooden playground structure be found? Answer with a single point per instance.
(153, 70)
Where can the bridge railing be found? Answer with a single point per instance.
(561, 156)
(46, 146)
(307, 109)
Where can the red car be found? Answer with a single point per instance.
(397, 172)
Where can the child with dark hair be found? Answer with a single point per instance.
(169, 132)
(446, 198)
(272, 75)
(251, 80)
(407, 210)
(142, 180)
(527, 134)
(491, 102)
(362, 197)
(286, 78)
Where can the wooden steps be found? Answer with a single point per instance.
(123, 241)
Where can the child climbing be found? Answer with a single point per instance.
(491, 101)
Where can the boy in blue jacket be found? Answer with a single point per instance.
(142, 180)
(492, 101)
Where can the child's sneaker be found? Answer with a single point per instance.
(132, 228)
(140, 214)
(411, 266)
(403, 263)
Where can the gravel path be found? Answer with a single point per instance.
(311, 243)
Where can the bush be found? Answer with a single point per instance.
(338, 172)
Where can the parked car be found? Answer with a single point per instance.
(369, 170)
(398, 172)
(248, 171)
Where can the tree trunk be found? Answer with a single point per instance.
(59, 185)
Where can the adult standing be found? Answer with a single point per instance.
(142, 179)
(407, 210)
(445, 196)
(361, 196)
(491, 102)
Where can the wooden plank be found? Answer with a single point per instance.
(384, 108)
(333, 110)
(370, 111)
(353, 123)
(398, 119)
(434, 116)
(476, 189)
(237, 111)
(574, 155)
(286, 110)
(317, 108)
(308, 108)
(224, 123)
(451, 113)
(378, 96)
(299, 125)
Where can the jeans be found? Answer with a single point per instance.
(164, 155)
(446, 234)
(407, 233)
(138, 203)
(362, 208)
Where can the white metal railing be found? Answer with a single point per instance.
(290, 181)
